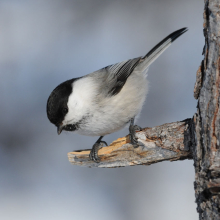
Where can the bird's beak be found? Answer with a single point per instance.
(59, 129)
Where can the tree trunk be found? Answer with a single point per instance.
(207, 120)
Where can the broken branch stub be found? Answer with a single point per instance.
(171, 141)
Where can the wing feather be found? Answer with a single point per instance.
(118, 74)
(115, 76)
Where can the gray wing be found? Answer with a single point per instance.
(117, 75)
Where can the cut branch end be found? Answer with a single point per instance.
(162, 143)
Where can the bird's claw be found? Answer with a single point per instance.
(133, 139)
(94, 151)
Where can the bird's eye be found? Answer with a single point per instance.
(65, 110)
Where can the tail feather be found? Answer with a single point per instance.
(155, 52)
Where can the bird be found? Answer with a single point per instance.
(106, 100)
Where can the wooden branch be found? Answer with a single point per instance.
(166, 142)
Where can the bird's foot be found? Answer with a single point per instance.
(94, 152)
(133, 129)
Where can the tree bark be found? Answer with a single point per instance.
(170, 141)
(207, 120)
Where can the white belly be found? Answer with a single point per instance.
(113, 113)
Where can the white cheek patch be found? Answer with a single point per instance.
(80, 100)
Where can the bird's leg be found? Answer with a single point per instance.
(132, 129)
(94, 152)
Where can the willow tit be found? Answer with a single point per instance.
(106, 100)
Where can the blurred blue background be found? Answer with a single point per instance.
(45, 42)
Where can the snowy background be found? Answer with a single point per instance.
(45, 42)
